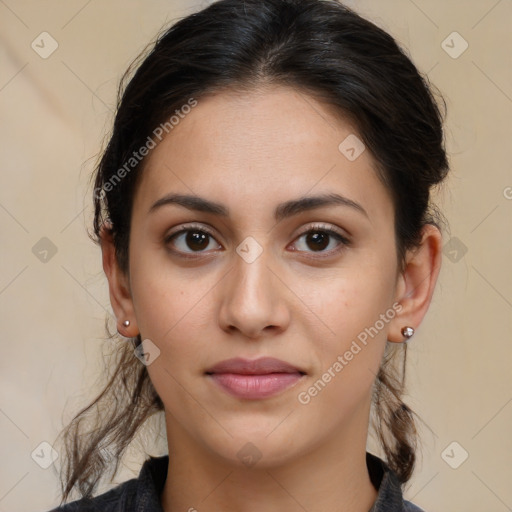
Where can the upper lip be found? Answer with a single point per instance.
(260, 366)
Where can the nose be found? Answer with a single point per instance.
(254, 299)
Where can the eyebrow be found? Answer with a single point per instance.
(282, 211)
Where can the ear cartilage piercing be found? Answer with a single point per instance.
(407, 332)
(126, 323)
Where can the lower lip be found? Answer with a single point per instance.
(255, 387)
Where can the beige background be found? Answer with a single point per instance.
(54, 114)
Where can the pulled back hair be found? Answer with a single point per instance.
(318, 47)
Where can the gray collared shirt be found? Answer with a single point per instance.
(142, 494)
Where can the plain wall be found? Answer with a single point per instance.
(54, 115)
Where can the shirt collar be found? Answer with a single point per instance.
(153, 474)
(389, 497)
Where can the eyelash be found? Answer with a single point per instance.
(316, 228)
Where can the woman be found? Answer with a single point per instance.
(263, 209)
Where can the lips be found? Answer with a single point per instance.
(261, 366)
(254, 379)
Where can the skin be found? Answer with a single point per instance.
(250, 152)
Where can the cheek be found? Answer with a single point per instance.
(166, 297)
(349, 356)
(172, 312)
(354, 299)
(355, 310)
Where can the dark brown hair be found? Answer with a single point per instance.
(319, 47)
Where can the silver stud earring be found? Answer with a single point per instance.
(407, 332)
(126, 323)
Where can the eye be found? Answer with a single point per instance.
(195, 238)
(321, 238)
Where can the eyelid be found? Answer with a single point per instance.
(204, 227)
(330, 229)
(189, 226)
(322, 226)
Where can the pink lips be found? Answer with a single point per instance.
(256, 379)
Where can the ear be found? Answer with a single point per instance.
(416, 283)
(119, 286)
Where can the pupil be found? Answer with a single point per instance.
(196, 240)
(320, 240)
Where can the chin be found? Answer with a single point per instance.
(259, 450)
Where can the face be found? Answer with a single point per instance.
(263, 273)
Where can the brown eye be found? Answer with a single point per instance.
(317, 241)
(321, 240)
(197, 241)
(192, 240)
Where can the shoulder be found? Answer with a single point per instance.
(141, 493)
(113, 500)
(390, 497)
(411, 507)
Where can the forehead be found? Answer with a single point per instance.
(272, 143)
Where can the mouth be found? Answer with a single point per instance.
(261, 366)
(254, 379)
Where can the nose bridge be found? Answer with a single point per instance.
(252, 299)
(251, 276)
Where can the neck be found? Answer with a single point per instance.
(331, 478)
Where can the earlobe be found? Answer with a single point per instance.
(416, 284)
(119, 290)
